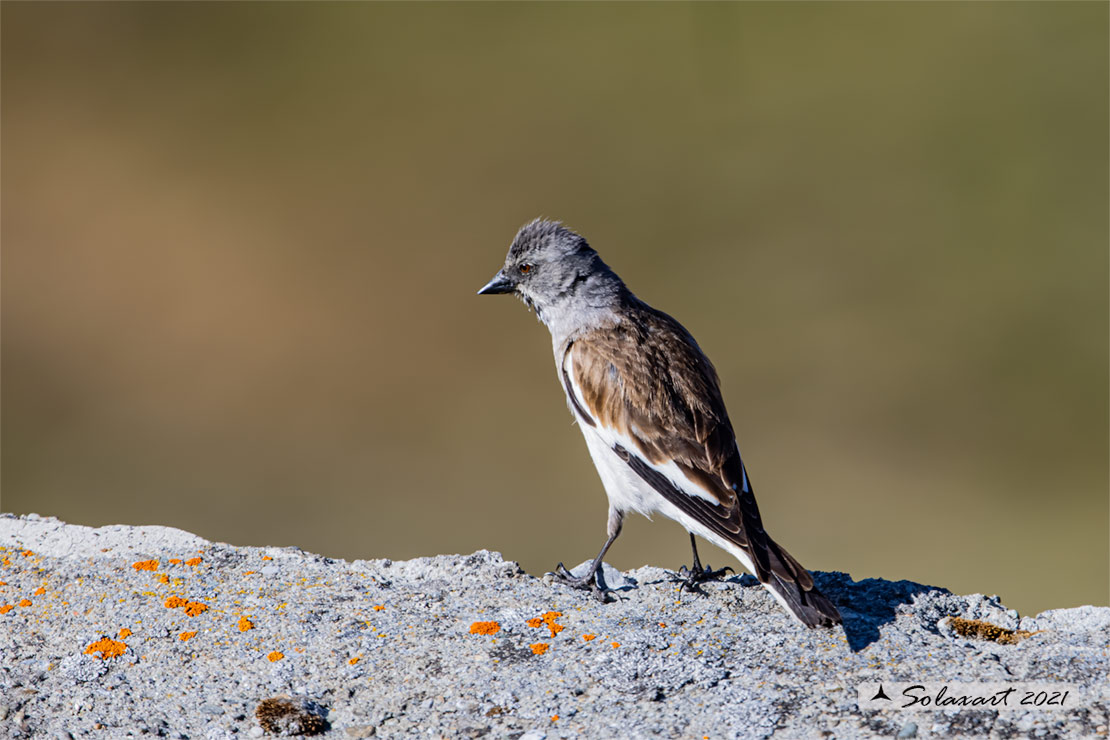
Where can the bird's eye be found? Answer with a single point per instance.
(525, 268)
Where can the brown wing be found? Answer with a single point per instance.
(648, 380)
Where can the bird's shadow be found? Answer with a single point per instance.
(615, 586)
(867, 605)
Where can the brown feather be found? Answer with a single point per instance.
(647, 378)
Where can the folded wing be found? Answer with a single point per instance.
(647, 385)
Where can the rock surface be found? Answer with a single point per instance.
(150, 630)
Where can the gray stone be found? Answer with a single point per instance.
(395, 648)
(908, 730)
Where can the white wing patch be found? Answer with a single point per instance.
(612, 437)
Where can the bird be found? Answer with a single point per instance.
(649, 404)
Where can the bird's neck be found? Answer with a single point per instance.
(594, 305)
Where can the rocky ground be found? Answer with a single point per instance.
(124, 631)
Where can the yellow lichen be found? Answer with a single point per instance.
(977, 628)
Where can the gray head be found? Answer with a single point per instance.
(555, 271)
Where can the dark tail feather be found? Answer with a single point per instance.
(794, 584)
(810, 607)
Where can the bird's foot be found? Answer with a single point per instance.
(692, 578)
(588, 582)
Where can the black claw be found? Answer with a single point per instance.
(585, 583)
(692, 578)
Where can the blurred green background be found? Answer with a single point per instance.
(241, 244)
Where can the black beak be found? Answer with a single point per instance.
(500, 284)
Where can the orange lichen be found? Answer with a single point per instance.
(485, 628)
(587, 638)
(354, 660)
(107, 647)
(275, 656)
(186, 636)
(554, 718)
(194, 561)
(267, 557)
(249, 572)
(27, 553)
(145, 565)
(124, 633)
(379, 608)
(547, 619)
(163, 578)
(6, 608)
(194, 608)
(174, 601)
(39, 591)
(25, 602)
(175, 561)
(615, 644)
(539, 648)
(245, 624)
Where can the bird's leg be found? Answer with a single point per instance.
(592, 581)
(696, 574)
